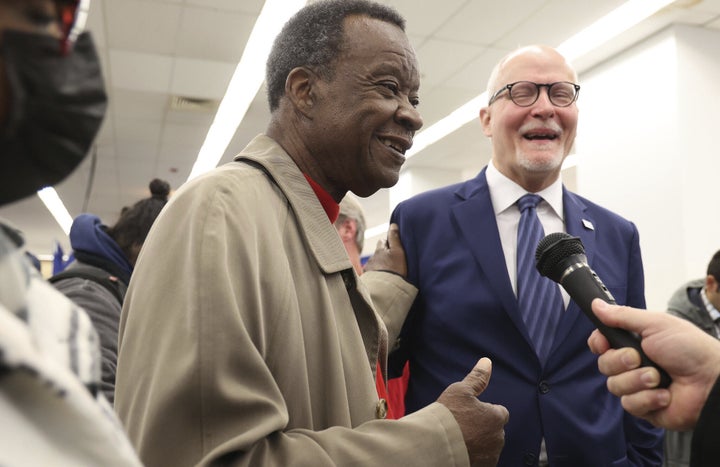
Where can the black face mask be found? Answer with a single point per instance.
(56, 105)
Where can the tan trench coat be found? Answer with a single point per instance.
(247, 338)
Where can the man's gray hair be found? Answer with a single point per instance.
(313, 37)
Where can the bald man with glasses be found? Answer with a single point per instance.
(468, 254)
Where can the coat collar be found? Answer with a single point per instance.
(313, 222)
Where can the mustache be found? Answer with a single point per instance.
(534, 126)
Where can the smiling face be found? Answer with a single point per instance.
(364, 117)
(530, 143)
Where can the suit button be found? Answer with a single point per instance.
(544, 387)
(529, 459)
(381, 409)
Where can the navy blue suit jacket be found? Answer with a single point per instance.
(466, 309)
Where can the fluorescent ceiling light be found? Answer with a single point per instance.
(245, 83)
(609, 26)
(56, 207)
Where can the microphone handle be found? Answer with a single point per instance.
(583, 292)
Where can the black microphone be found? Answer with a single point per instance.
(561, 257)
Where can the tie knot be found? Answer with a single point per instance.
(528, 201)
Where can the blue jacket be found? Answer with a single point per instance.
(466, 309)
(91, 244)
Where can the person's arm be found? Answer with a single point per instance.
(104, 311)
(691, 358)
(384, 276)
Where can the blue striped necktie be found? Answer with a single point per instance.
(539, 298)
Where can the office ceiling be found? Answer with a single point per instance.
(167, 64)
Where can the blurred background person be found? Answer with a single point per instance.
(350, 224)
(697, 301)
(52, 102)
(104, 259)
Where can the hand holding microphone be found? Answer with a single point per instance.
(561, 258)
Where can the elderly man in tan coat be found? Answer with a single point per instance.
(247, 338)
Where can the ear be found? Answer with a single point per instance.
(711, 284)
(485, 121)
(300, 88)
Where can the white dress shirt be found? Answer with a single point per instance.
(504, 193)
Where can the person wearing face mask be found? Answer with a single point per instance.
(52, 102)
(471, 255)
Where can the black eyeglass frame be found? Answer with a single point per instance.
(508, 88)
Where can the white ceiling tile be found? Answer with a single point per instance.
(714, 24)
(129, 152)
(484, 22)
(181, 134)
(127, 103)
(437, 65)
(172, 154)
(135, 177)
(245, 6)
(106, 135)
(424, 17)
(139, 71)
(191, 117)
(475, 74)
(543, 26)
(141, 26)
(105, 179)
(138, 130)
(201, 78)
(214, 35)
(105, 151)
(175, 162)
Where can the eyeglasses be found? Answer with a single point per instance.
(526, 93)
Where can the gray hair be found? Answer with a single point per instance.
(313, 37)
(350, 208)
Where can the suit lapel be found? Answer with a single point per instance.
(578, 224)
(476, 221)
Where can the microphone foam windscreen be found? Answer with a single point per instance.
(552, 250)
